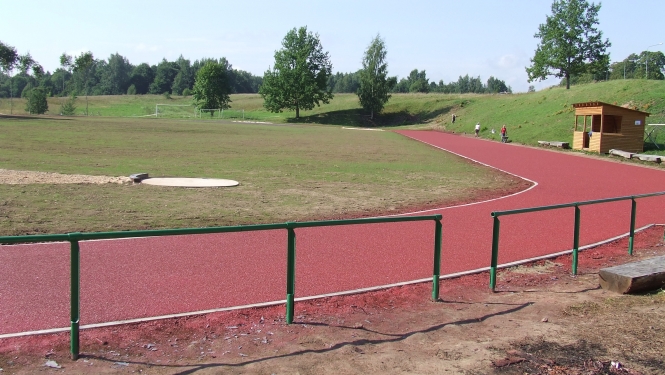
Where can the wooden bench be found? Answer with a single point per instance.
(634, 277)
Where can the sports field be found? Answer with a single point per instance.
(286, 172)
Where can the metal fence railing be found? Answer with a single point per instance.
(576, 231)
(75, 261)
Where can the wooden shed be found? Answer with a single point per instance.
(601, 127)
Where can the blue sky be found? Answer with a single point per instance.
(445, 38)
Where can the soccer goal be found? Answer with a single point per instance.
(654, 136)
(175, 110)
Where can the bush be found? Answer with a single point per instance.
(69, 108)
(37, 103)
(186, 92)
(167, 95)
(131, 90)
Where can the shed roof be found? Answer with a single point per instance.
(601, 104)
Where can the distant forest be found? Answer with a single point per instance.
(117, 76)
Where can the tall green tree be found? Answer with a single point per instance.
(67, 64)
(8, 60)
(141, 77)
(375, 84)
(82, 65)
(211, 88)
(299, 78)
(164, 76)
(570, 44)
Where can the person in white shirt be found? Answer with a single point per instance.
(477, 129)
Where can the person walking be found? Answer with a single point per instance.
(504, 134)
(477, 129)
(454, 118)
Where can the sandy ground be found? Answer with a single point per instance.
(541, 320)
(8, 176)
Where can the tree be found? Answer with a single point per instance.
(164, 75)
(299, 78)
(211, 88)
(570, 44)
(114, 78)
(374, 82)
(66, 64)
(495, 85)
(82, 65)
(36, 103)
(141, 77)
(8, 60)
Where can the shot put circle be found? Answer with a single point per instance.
(189, 182)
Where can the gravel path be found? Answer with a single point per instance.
(12, 177)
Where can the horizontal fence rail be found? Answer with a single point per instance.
(75, 259)
(576, 232)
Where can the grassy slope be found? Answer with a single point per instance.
(544, 115)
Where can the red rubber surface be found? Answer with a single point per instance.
(134, 278)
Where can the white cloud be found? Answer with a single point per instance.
(507, 61)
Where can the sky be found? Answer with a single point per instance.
(445, 38)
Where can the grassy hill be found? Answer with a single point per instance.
(543, 115)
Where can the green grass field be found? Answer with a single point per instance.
(287, 172)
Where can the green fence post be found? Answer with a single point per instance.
(495, 252)
(290, 273)
(576, 239)
(633, 213)
(437, 259)
(75, 284)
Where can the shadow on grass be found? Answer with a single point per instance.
(360, 118)
(657, 148)
(389, 337)
(29, 117)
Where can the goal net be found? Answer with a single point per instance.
(654, 136)
(175, 110)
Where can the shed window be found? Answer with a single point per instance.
(595, 123)
(611, 124)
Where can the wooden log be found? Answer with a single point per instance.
(634, 277)
(644, 157)
(559, 144)
(624, 154)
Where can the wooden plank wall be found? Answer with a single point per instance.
(630, 139)
(578, 140)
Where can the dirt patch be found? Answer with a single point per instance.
(12, 177)
(540, 321)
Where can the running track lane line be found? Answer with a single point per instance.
(143, 278)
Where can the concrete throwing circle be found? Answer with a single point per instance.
(190, 182)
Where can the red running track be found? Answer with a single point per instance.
(147, 277)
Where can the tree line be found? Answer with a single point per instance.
(417, 81)
(112, 76)
(571, 48)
